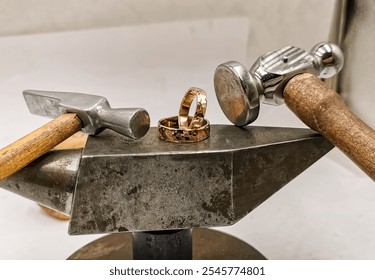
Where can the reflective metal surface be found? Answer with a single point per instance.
(237, 93)
(198, 117)
(328, 59)
(354, 30)
(94, 112)
(238, 90)
(170, 131)
(274, 69)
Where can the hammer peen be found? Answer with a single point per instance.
(291, 75)
(72, 112)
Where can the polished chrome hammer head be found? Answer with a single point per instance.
(94, 112)
(239, 90)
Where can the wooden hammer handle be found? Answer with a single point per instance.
(323, 110)
(20, 153)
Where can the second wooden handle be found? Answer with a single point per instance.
(20, 153)
(323, 110)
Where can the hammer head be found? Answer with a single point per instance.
(94, 112)
(239, 90)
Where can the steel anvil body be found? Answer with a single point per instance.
(116, 185)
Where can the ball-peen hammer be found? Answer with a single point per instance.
(291, 75)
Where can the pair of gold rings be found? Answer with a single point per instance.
(184, 128)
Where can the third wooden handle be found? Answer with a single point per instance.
(323, 110)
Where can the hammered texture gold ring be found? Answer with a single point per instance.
(184, 128)
(183, 117)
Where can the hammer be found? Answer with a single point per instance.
(72, 112)
(291, 75)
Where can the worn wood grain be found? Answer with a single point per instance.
(20, 153)
(323, 110)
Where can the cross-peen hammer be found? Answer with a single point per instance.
(72, 112)
(290, 75)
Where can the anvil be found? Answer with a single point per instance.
(115, 184)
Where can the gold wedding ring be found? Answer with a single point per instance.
(184, 128)
(183, 117)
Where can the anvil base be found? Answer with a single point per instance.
(206, 245)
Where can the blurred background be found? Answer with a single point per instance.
(147, 54)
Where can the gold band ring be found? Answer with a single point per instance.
(170, 131)
(184, 128)
(183, 117)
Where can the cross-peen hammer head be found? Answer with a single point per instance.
(94, 112)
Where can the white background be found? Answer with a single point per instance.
(328, 212)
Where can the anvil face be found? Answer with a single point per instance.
(150, 184)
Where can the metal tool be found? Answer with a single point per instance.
(73, 112)
(239, 90)
(147, 185)
(290, 74)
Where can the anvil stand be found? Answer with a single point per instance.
(235, 170)
(187, 244)
(202, 243)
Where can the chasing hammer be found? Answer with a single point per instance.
(291, 75)
(72, 112)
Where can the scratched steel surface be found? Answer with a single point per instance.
(49, 180)
(153, 185)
